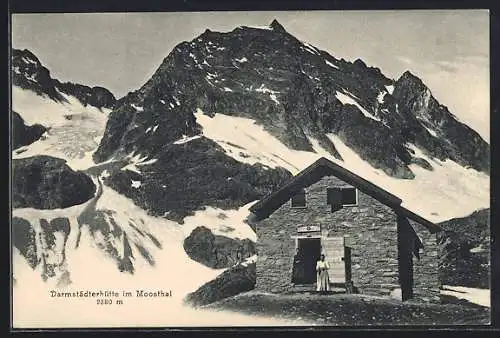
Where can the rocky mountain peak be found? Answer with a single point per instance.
(26, 56)
(276, 26)
(408, 79)
(29, 73)
(297, 92)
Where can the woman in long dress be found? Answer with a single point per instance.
(322, 278)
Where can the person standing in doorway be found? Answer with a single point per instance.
(322, 278)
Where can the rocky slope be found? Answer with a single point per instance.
(23, 135)
(465, 250)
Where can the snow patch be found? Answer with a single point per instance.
(267, 28)
(186, 139)
(274, 98)
(155, 127)
(26, 60)
(432, 132)
(331, 64)
(473, 295)
(136, 184)
(380, 96)
(249, 260)
(272, 93)
(31, 77)
(346, 99)
(242, 60)
(136, 161)
(138, 108)
(390, 89)
(247, 142)
(450, 190)
(310, 48)
(229, 223)
(226, 89)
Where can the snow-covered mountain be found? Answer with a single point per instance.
(226, 118)
(260, 96)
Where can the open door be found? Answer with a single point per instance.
(333, 248)
(304, 263)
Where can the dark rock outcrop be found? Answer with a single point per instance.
(44, 182)
(23, 135)
(237, 279)
(54, 254)
(187, 177)
(29, 73)
(95, 96)
(24, 238)
(464, 246)
(217, 251)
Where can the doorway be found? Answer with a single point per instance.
(304, 263)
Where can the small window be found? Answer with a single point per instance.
(299, 199)
(337, 197)
(349, 196)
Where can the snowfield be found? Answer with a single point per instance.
(473, 295)
(91, 269)
(75, 130)
(450, 190)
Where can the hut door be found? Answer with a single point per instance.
(333, 249)
(304, 266)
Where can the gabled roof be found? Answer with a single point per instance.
(324, 167)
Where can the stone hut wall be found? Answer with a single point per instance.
(426, 282)
(372, 230)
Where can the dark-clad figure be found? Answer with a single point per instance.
(298, 268)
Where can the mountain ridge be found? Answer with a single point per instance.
(29, 73)
(220, 87)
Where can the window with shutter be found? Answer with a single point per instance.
(349, 197)
(299, 199)
(341, 197)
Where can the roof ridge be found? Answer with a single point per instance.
(274, 200)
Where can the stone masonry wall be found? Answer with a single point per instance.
(371, 225)
(372, 228)
(426, 282)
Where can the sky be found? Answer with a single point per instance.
(447, 49)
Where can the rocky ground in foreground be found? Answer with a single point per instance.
(349, 310)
